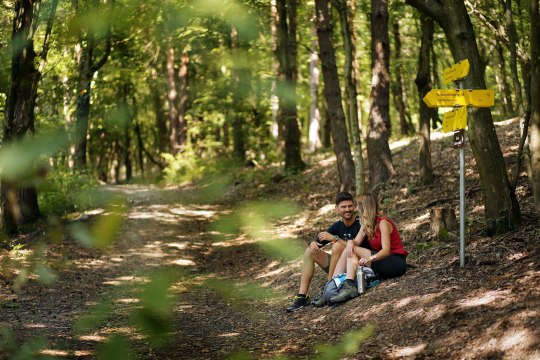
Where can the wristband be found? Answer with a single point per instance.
(372, 257)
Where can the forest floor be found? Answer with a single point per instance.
(487, 310)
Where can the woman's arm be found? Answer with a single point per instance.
(386, 230)
(349, 250)
(359, 237)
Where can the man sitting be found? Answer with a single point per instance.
(338, 233)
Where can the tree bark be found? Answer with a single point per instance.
(350, 93)
(501, 206)
(423, 83)
(19, 202)
(314, 113)
(380, 157)
(182, 99)
(502, 81)
(172, 99)
(238, 121)
(398, 90)
(160, 117)
(535, 102)
(286, 86)
(512, 45)
(87, 68)
(332, 94)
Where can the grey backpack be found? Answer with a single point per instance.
(331, 288)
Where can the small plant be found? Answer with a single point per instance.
(60, 195)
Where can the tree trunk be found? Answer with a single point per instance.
(512, 45)
(442, 220)
(502, 81)
(501, 206)
(423, 83)
(182, 100)
(286, 86)
(275, 127)
(160, 117)
(172, 99)
(435, 119)
(332, 94)
(350, 93)
(19, 203)
(238, 121)
(535, 103)
(314, 113)
(380, 158)
(87, 68)
(398, 90)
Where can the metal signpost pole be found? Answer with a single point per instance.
(462, 198)
(456, 120)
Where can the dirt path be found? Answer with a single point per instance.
(160, 232)
(487, 310)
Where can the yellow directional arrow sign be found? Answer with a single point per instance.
(455, 119)
(453, 98)
(457, 71)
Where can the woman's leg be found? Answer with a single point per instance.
(337, 251)
(341, 265)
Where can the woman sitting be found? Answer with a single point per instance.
(386, 256)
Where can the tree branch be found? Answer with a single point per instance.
(105, 56)
(430, 8)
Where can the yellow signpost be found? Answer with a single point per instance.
(453, 98)
(455, 119)
(455, 72)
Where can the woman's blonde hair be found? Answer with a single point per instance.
(368, 208)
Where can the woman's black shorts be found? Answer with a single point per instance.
(390, 267)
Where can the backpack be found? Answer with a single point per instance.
(331, 287)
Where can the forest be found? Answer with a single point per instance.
(163, 165)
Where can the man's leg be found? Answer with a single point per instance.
(308, 267)
(337, 250)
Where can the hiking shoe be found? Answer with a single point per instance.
(319, 300)
(299, 302)
(347, 291)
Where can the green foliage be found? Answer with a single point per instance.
(65, 192)
(102, 233)
(349, 344)
(153, 318)
(116, 347)
(254, 219)
(20, 351)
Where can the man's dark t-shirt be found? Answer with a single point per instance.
(344, 232)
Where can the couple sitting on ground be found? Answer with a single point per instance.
(370, 240)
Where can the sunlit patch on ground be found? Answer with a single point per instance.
(93, 337)
(122, 280)
(407, 352)
(498, 298)
(54, 352)
(182, 262)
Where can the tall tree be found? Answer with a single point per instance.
(512, 45)
(332, 94)
(535, 101)
(314, 113)
(501, 206)
(238, 92)
(88, 43)
(423, 83)
(350, 91)
(286, 86)
(380, 157)
(398, 91)
(19, 202)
